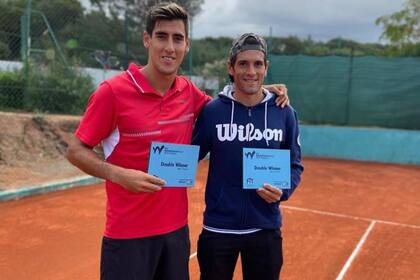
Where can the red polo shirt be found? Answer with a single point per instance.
(127, 114)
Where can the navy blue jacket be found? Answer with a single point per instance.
(224, 127)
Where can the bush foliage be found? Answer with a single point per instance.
(52, 89)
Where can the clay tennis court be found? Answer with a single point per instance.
(347, 220)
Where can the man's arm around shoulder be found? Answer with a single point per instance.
(293, 143)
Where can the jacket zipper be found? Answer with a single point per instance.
(245, 193)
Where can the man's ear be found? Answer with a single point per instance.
(266, 68)
(187, 49)
(229, 67)
(146, 39)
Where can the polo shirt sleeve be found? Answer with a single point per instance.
(99, 119)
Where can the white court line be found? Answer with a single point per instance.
(193, 255)
(362, 240)
(349, 217)
(355, 251)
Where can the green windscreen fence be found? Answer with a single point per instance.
(352, 91)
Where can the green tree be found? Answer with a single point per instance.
(10, 13)
(208, 50)
(293, 45)
(216, 69)
(402, 27)
(97, 32)
(59, 13)
(136, 10)
(57, 89)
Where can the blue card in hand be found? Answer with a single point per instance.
(270, 166)
(174, 163)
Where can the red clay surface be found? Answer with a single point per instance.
(57, 235)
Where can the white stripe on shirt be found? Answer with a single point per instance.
(231, 231)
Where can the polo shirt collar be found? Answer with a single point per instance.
(143, 85)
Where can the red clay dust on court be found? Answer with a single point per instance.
(347, 220)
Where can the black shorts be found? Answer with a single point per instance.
(158, 257)
(261, 255)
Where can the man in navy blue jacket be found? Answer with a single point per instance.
(237, 220)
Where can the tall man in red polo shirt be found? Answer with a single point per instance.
(146, 233)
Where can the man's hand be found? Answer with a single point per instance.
(82, 156)
(269, 193)
(281, 91)
(137, 181)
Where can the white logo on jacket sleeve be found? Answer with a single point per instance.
(227, 132)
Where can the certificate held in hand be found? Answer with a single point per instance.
(174, 163)
(271, 166)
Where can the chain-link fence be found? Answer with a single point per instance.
(11, 83)
(50, 53)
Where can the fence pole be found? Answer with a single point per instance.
(53, 38)
(28, 26)
(24, 38)
(349, 87)
(127, 39)
(26, 49)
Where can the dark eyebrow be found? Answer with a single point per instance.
(160, 33)
(180, 35)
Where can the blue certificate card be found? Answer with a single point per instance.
(174, 163)
(271, 166)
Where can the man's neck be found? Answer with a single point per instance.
(249, 100)
(161, 83)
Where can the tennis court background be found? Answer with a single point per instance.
(356, 94)
(338, 205)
